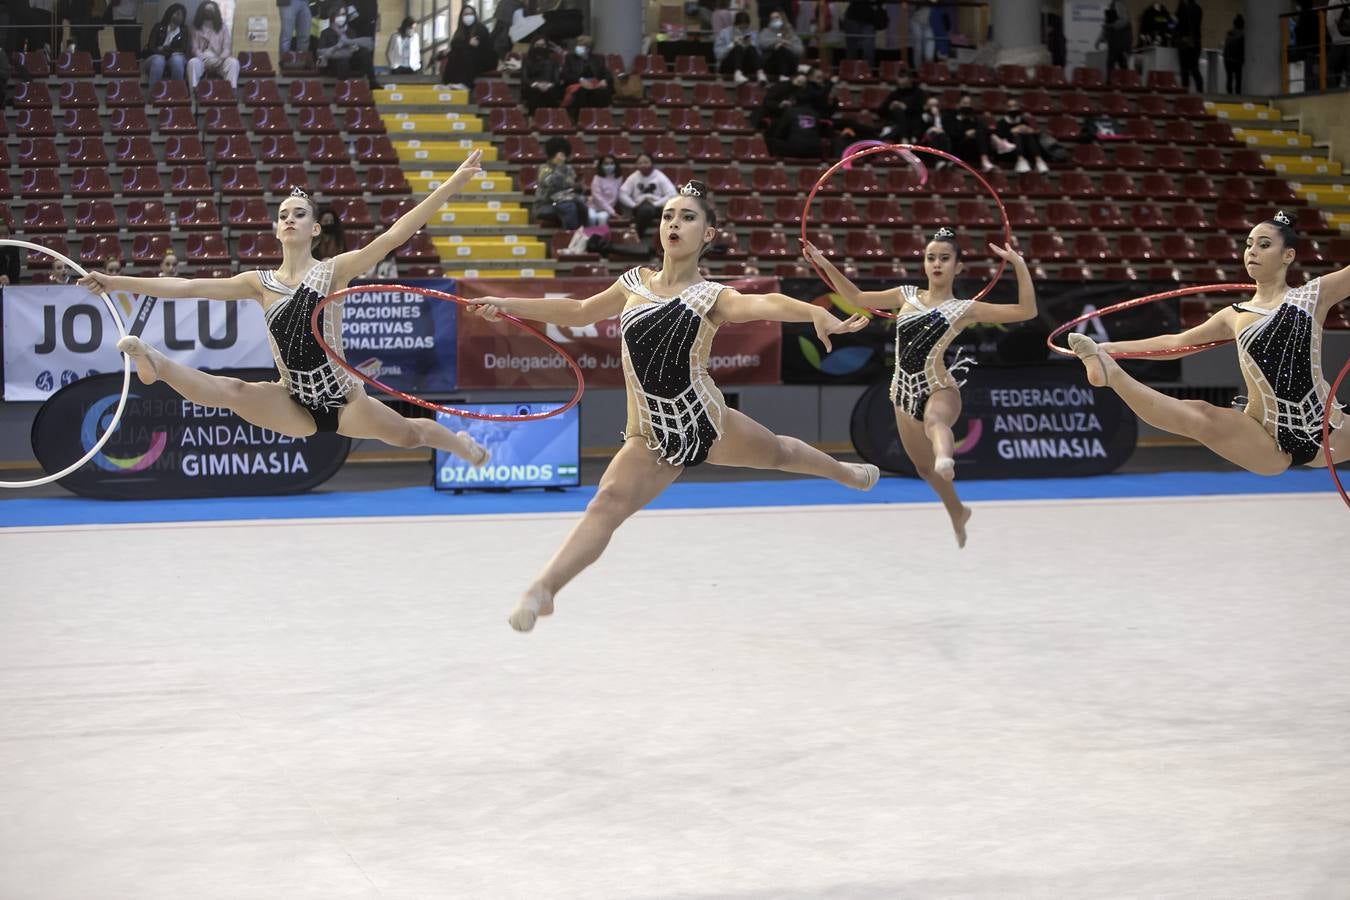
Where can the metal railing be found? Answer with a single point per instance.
(1316, 60)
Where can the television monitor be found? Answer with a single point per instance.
(545, 453)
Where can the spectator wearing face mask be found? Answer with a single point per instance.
(1015, 139)
(404, 51)
(644, 192)
(330, 241)
(341, 55)
(540, 78)
(736, 52)
(901, 113)
(471, 52)
(557, 194)
(604, 199)
(780, 47)
(970, 135)
(586, 79)
(211, 57)
(797, 133)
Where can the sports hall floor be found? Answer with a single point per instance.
(1127, 686)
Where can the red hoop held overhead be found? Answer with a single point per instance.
(1326, 430)
(903, 149)
(427, 404)
(1139, 301)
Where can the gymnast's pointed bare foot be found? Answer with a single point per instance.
(945, 467)
(865, 476)
(959, 525)
(143, 355)
(536, 602)
(1096, 361)
(472, 452)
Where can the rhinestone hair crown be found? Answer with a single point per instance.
(297, 192)
(944, 233)
(1283, 219)
(689, 189)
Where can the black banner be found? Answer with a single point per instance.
(169, 447)
(1024, 422)
(869, 355)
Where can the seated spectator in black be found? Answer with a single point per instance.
(586, 79)
(969, 134)
(736, 52)
(341, 55)
(779, 46)
(777, 98)
(1014, 138)
(540, 78)
(9, 257)
(471, 52)
(168, 46)
(1155, 26)
(797, 133)
(330, 241)
(558, 195)
(817, 92)
(363, 22)
(900, 113)
(644, 192)
(935, 123)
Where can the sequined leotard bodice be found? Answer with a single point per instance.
(921, 339)
(306, 371)
(1281, 358)
(672, 401)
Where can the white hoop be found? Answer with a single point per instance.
(126, 372)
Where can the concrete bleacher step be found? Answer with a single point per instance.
(424, 181)
(1243, 112)
(419, 95)
(415, 152)
(504, 272)
(489, 247)
(426, 125)
(494, 213)
(1304, 164)
(1272, 137)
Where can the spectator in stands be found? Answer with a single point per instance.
(724, 16)
(798, 132)
(817, 92)
(1118, 37)
(211, 55)
(168, 266)
(1155, 26)
(736, 52)
(900, 112)
(9, 257)
(363, 23)
(970, 134)
(112, 265)
(1235, 53)
(295, 25)
(168, 46)
(84, 25)
(644, 192)
(404, 51)
(1187, 39)
(508, 13)
(586, 79)
(540, 78)
(341, 55)
(331, 240)
(604, 199)
(557, 194)
(934, 123)
(777, 98)
(471, 52)
(922, 41)
(1014, 138)
(6, 66)
(1338, 61)
(1305, 42)
(862, 20)
(61, 273)
(780, 46)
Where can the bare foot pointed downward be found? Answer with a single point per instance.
(143, 355)
(959, 526)
(536, 602)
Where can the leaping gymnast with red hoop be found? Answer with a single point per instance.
(313, 394)
(676, 415)
(1279, 344)
(925, 391)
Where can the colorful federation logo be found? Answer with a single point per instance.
(97, 418)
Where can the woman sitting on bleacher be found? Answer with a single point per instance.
(211, 48)
(168, 46)
(586, 79)
(557, 194)
(605, 185)
(471, 52)
(540, 78)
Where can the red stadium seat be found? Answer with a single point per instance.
(362, 120)
(172, 119)
(97, 249)
(1091, 246)
(1141, 130)
(34, 63)
(824, 241)
(643, 121)
(1171, 159)
(141, 181)
(1037, 102)
(1062, 215)
(553, 121)
(908, 245)
(386, 180)
(1158, 185)
(147, 215)
(1077, 184)
(1233, 217)
(198, 214)
(393, 208)
(618, 146)
(864, 245)
(508, 121)
(730, 121)
(885, 211)
(493, 93)
(307, 92)
(1212, 161)
(375, 149)
(747, 211)
(240, 180)
(81, 122)
(523, 149)
(1218, 134)
(770, 180)
(316, 120)
(190, 181)
(44, 215)
(1130, 156)
(1164, 80)
(930, 211)
(787, 211)
(1034, 184)
(339, 180)
(1047, 245)
(1155, 106)
(1180, 131)
(89, 152)
(35, 122)
(748, 149)
(419, 248)
(256, 64)
(326, 148)
(232, 148)
(169, 93)
(1219, 248)
(1117, 105)
(1189, 218)
(705, 148)
(182, 150)
(839, 211)
(121, 64)
(1277, 191)
(353, 92)
(711, 96)
(726, 180)
(858, 181)
(666, 94)
(1178, 248)
(352, 212)
(662, 148)
(270, 120)
(1090, 156)
(298, 62)
(215, 92)
(1126, 80)
(131, 120)
(76, 94)
(1076, 103)
(1197, 187)
(261, 93)
(124, 93)
(37, 152)
(691, 121)
(592, 120)
(150, 249)
(1118, 185)
(1088, 78)
(1105, 216)
(95, 215)
(207, 248)
(769, 244)
(1238, 188)
(1147, 216)
(856, 71)
(248, 212)
(76, 64)
(283, 178)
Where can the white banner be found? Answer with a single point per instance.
(1082, 26)
(54, 335)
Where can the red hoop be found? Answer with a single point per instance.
(1151, 298)
(427, 404)
(919, 148)
(1326, 430)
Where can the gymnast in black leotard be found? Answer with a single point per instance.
(1279, 343)
(924, 388)
(312, 394)
(676, 414)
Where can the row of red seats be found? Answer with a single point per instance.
(138, 150)
(116, 64)
(209, 248)
(196, 180)
(77, 122)
(48, 216)
(210, 92)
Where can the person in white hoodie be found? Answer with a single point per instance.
(644, 192)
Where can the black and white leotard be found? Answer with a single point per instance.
(921, 339)
(672, 401)
(307, 373)
(1281, 357)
